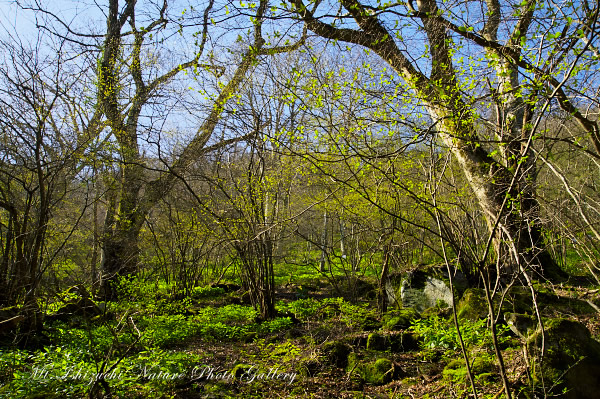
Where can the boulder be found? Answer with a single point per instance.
(353, 288)
(400, 319)
(239, 370)
(473, 305)
(378, 372)
(369, 324)
(483, 368)
(336, 353)
(377, 342)
(423, 288)
(570, 366)
(81, 306)
(395, 342)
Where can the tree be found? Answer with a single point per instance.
(520, 49)
(129, 83)
(39, 156)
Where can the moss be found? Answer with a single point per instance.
(473, 305)
(309, 367)
(400, 319)
(378, 372)
(523, 325)
(239, 370)
(353, 360)
(566, 342)
(404, 342)
(562, 304)
(456, 370)
(487, 378)
(336, 353)
(571, 360)
(396, 342)
(370, 324)
(518, 300)
(377, 342)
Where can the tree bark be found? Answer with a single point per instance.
(138, 193)
(490, 180)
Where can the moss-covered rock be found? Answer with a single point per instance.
(571, 362)
(352, 288)
(522, 324)
(423, 288)
(473, 305)
(377, 342)
(392, 341)
(309, 367)
(400, 319)
(378, 372)
(336, 353)
(404, 342)
(370, 324)
(456, 370)
(239, 370)
(518, 300)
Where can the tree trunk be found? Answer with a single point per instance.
(453, 117)
(323, 244)
(120, 251)
(120, 256)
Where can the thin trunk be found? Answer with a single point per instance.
(96, 245)
(5, 264)
(323, 244)
(342, 239)
(382, 300)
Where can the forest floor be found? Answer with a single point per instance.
(304, 349)
(212, 345)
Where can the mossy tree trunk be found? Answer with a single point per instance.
(502, 178)
(137, 192)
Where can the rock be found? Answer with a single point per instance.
(245, 298)
(395, 342)
(239, 370)
(309, 367)
(378, 372)
(294, 333)
(227, 288)
(336, 353)
(405, 342)
(473, 305)
(571, 362)
(456, 370)
(523, 325)
(422, 288)
(352, 288)
(400, 319)
(377, 342)
(80, 307)
(518, 300)
(370, 324)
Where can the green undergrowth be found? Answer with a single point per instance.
(158, 340)
(60, 372)
(352, 315)
(141, 347)
(437, 332)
